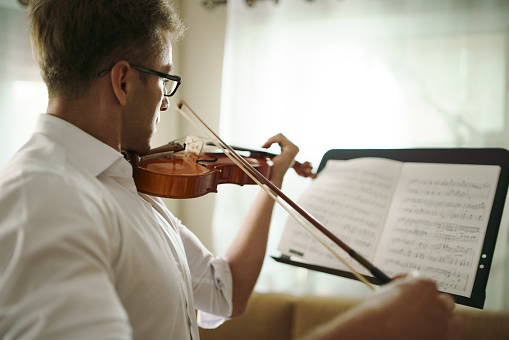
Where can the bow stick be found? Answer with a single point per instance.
(276, 194)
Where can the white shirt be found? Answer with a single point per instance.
(84, 256)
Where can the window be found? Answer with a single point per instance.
(23, 95)
(360, 74)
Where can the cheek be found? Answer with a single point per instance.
(156, 109)
(157, 116)
(158, 97)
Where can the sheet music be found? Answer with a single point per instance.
(437, 223)
(351, 199)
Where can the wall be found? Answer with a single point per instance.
(198, 59)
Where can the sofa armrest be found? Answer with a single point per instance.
(267, 317)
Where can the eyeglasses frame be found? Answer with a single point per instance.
(153, 72)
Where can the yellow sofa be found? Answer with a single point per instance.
(286, 317)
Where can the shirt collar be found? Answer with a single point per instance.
(83, 150)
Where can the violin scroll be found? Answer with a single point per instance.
(304, 169)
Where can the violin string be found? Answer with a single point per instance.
(252, 174)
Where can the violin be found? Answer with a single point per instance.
(172, 172)
(155, 177)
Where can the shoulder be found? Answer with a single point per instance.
(39, 182)
(39, 156)
(45, 164)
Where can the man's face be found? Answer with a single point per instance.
(141, 115)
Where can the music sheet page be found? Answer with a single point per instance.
(437, 222)
(351, 199)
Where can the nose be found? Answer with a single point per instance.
(165, 104)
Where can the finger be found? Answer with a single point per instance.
(409, 276)
(410, 284)
(279, 139)
(398, 277)
(447, 301)
(271, 140)
(406, 277)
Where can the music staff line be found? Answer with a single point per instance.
(444, 210)
(449, 188)
(445, 279)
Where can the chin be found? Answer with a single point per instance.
(143, 150)
(138, 148)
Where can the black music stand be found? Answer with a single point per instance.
(484, 156)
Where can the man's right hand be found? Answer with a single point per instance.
(407, 308)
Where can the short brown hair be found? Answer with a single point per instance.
(73, 40)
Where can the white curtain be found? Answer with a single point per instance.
(23, 95)
(361, 74)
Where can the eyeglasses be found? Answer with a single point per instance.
(170, 84)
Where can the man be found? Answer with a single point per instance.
(82, 254)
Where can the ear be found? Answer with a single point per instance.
(120, 75)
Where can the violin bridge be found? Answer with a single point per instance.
(194, 145)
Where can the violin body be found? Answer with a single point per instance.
(186, 175)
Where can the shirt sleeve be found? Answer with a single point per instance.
(212, 282)
(56, 281)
